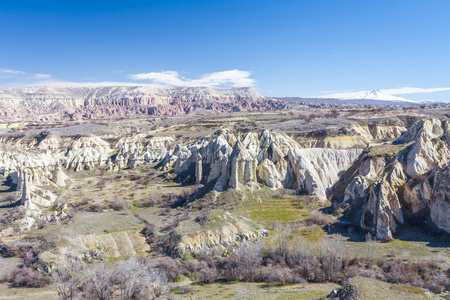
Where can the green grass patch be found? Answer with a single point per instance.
(284, 210)
(315, 234)
(407, 289)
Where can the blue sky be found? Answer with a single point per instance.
(282, 48)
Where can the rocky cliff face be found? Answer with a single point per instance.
(439, 200)
(229, 230)
(64, 103)
(391, 184)
(273, 159)
(356, 136)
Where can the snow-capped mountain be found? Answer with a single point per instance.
(378, 95)
(369, 95)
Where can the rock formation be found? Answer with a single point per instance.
(380, 188)
(439, 200)
(270, 158)
(231, 230)
(356, 136)
(384, 189)
(198, 169)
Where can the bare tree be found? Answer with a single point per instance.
(100, 283)
(133, 279)
(283, 234)
(250, 258)
(68, 277)
(158, 279)
(332, 260)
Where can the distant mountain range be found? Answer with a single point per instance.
(121, 95)
(372, 97)
(47, 103)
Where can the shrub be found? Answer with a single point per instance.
(172, 268)
(164, 211)
(318, 218)
(184, 290)
(242, 264)
(120, 205)
(26, 277)
(95, 208)
(203, 217)
(101, 183)
(183, 216)
(148, 230)
(145, 202)
(10, 199)
(201, 271)
(170, 226)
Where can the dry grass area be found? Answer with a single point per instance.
(372, 289)
(387, 149)
(405, 247)
(244, 290)
(8, 293)
(119, 185)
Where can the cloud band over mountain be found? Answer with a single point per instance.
(234, 78)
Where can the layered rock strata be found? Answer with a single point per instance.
(73, 103)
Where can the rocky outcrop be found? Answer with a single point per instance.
(316, 170)
(270, 158)
(268, 174)
(136, 150)
(227, 231)
(33, 197)
(384, 189)
(356, 136)
(59, 177)
(116, 244)
(87, 153)
(381, 210)
(439, 202)
(242, 166)
(429, 149)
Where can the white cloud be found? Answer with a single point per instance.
(235, 78)
(13, 72)
(41, 76)
(411, 90)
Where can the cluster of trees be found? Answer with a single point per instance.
(290, 259)
(297, 262)
(131, 279)
(308, 118)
